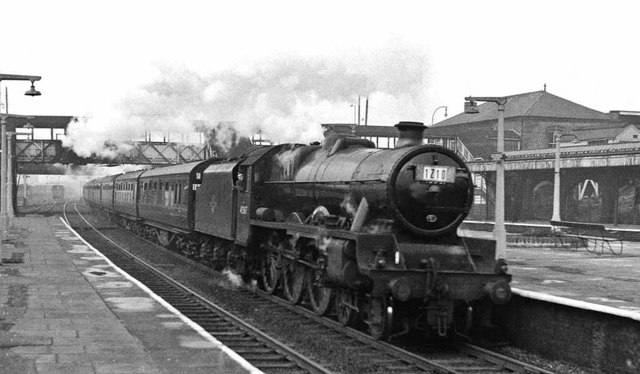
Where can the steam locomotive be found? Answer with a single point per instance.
(366, 234)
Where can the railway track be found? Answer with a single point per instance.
(46, 207)
(261, 350)
(461, 358)
(368, 355)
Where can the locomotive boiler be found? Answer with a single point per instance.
(366, 234)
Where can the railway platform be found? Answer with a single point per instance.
(66, 309)
(603, 282)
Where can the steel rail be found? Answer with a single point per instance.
(500, 362)
(506, 361)
(299, 359)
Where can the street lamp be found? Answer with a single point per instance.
(499, 231)
(18, 77)
(5, 192)
(556, 175)
(434, 112)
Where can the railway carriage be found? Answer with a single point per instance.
(100, 192)
(106, 192)
(91, 192)
(125, 199)
(367, 233)
(167, 197)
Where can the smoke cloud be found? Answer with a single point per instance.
(285, 99)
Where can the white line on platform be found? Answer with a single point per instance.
(241, 361)
(577, 304)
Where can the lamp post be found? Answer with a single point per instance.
(556, 176)
(434, 112)
(6, 194)
(6, 170)
(10, 215)
(499, 231)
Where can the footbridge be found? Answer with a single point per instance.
(37, 148)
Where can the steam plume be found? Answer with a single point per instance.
(285, 99)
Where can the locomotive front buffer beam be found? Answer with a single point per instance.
(422, 284)
(380, 270)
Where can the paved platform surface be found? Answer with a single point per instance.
(604, 282)
(65, 309)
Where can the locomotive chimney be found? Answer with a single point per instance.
(410, 134)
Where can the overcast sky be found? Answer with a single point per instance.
(409, 57)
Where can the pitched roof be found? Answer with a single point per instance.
(597, 134)
(531, 104)
(601, 133)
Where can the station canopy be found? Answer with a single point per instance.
(39, 122)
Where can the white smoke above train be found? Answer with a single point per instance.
(285, 99)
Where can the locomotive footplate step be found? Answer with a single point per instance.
(66, 309)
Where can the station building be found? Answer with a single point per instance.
(593, 188)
